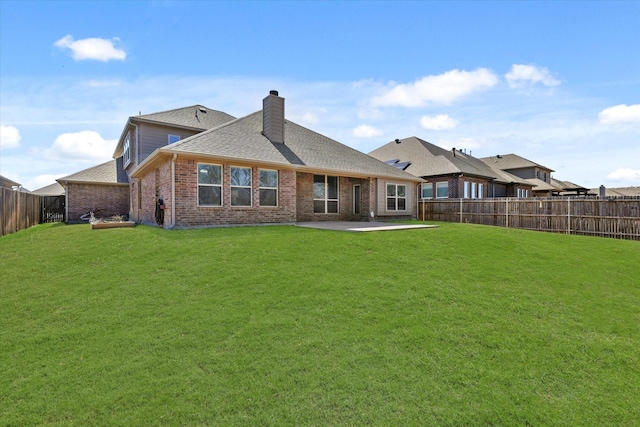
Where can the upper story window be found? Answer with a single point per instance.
(240, 186)
(126, 151)
(268, 187)
(325, 194)
(174, 138)
(442, 190)
(427, 190)
(209, 185)
(396, 197)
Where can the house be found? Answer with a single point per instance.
(449, 174)
(197, 167)
(7, 183)
(537, 175)
(102, 189)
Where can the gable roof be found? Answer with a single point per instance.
(426, 159)
(54, 189)
(7, 183)
(110, 172)
(194, 117)
(512, 161)
(242, 140)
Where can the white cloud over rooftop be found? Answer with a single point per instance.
(522, 76)
(92, 48)
(620, 114)
(441, 89)
(439, 122)
(9, 137)
(86, 146)
(366, 131)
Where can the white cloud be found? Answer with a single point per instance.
(92, 48)
(444, 89)
(86, 146)
(620, 114)
(44, 180)
(439, 122)
(366, 131)
(9, 137)
(622, 174)
(522, 76)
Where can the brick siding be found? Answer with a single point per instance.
(104, 200)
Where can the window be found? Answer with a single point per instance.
(209, 185)
(466, 190)
(240, 186)
(126, 147)
(442, 190)
(427, 190)
(325, 194)
(173, 138)
(480, 191)
(396, 197)
(474, 190)
(268, 187)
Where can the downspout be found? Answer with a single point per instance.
(173, 190)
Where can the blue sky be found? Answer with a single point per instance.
(555, 82)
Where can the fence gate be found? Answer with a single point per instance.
(53, 208)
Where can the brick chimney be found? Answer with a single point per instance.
(273, 117)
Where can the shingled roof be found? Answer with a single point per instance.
(110, 172)
(512, 161)
(54, 189)
(426, 159)
(194, 117)
(242, 140)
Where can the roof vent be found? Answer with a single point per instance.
(398, 141)
(273, 92)
(202, 110)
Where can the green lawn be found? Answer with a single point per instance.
(461, 325)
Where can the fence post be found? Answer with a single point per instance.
(461, 211)
(568, 215)
(506, 212)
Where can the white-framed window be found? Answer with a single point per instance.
(325, 194)
(466, 190)
(174, 138)
(442, 190)
(480, 191)
(474, 190)
(268, 184)
(427, 190)
(209, 185)
(126, 151)
(396, 197)
(240, 186)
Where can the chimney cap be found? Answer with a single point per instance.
(273, 92)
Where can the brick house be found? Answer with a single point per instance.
(196, 167)
(450, 174)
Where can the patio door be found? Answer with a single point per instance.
(357, 199)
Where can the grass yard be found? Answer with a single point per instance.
(461, 325)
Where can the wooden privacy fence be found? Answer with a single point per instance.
(18, 210)
(604, 217)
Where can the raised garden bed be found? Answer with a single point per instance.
(112, 224)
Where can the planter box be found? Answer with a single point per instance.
(101, 225)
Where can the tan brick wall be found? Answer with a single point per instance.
(104, 200)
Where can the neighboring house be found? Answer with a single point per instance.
(102, 189)
(617, 192)
(537, 175)
(194, 166)
(450, 174)
(568, 188)
(262, 169)
(7, 183)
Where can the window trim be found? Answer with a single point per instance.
(446, 183)
(422, 191)
(250, 186)
(260, 187)
(198, 165)
(396, 197)
(126, 151)
(326, 198)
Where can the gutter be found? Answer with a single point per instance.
(173, 189)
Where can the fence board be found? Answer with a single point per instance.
(18, 210)
(604, 217)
